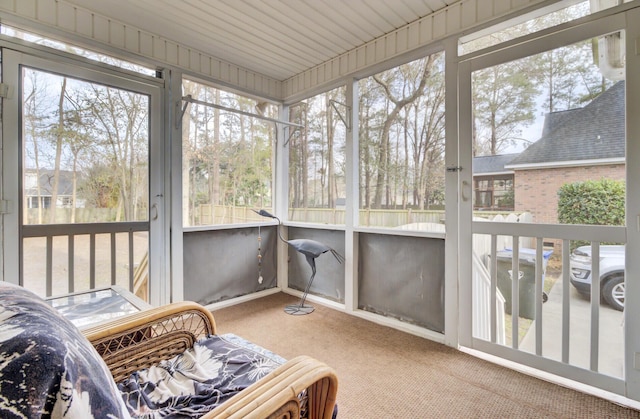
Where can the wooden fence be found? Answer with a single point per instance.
(207, 214)
(63, 215)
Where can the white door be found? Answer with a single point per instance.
(523, 292)
(82, 175)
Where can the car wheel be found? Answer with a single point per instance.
(613, 292)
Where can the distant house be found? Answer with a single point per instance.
(576, 145)
(43, 179)
(493, 183)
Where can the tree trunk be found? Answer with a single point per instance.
(405, 174)
(399, 104)
(383, 168)
(366, 162)
(304, 160)
(331, 203)
(58, 155)
(73, 189)
(215, 154)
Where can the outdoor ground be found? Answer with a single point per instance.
(611, 341)
(35, 266)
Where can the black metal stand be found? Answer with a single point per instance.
(301, 309)
(297, 310)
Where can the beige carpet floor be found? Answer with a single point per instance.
(385, 373)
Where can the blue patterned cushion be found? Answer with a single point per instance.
(47, 367)
(196, 381)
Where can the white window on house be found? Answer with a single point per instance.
(493, 193)
(66, 202)
(40, 202)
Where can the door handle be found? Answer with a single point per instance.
(154, 207)
(465, 184)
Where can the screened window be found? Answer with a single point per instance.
(227, 157)
(317, 159)
(560, 116)
(402, 146)
(529, 24)
(85, 151)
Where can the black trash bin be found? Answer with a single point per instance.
(526, 279)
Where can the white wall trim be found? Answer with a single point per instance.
(373, 317)
(566, 163)
(506, 172)
(242, 299)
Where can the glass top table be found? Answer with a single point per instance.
(88, 308)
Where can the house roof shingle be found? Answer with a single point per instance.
(492, 164)
(65, 186)
(594, 132)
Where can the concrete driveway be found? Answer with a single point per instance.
(611, 342)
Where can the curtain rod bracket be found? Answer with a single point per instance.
(286, 143)
(346, 121)
(184, 109)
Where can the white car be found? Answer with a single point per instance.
(611, 273)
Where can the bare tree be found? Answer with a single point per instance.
(33, 121)
(503, 100)
(409, 91)
(120, 122)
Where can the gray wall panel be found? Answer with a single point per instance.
(402, 277)
(329, 280)
(222, 264)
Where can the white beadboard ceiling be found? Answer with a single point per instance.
(276, 38)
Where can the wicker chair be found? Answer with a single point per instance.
(302, 387)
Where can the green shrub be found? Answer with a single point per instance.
(592, 202)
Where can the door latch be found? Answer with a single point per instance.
(5, 207)
(5, 90)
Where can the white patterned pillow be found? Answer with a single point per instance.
(47, 367)
(198, 380)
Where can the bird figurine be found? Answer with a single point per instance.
(311, 249)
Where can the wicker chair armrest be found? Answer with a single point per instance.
(145, 338)
(277, 394)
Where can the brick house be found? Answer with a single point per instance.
(576, 145)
